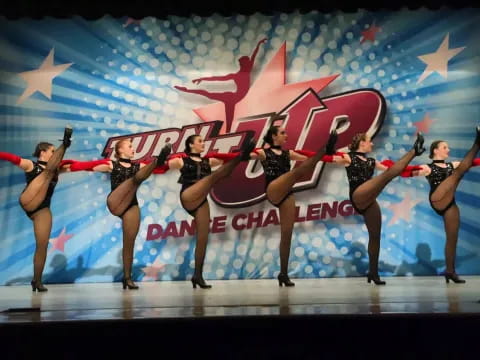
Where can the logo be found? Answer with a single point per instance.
(307, 118)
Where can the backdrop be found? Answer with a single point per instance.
(390, 73)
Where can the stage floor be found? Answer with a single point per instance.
(156, 300)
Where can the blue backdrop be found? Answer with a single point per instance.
(114, 77)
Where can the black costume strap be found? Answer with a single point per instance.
(128, 161)
(359, 153)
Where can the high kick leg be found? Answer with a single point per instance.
(120, 199)
(279, 188)
(445, 192)
(35, 193)
(196, 194)
(368, 192)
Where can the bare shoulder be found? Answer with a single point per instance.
(26, 165)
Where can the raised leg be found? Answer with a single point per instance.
(445, 192)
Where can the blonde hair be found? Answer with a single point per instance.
(118, 145)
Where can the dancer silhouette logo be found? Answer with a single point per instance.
(307, 118)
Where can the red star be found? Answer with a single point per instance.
(58, 243)
(151, 272)
(131, 21)
(268, 93)
(424, 125)
(403, 209)
(370, 33)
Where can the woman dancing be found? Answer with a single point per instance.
(365, 188)
(444, 178)
(125, 177)
(41, 177)
(280, 180)
(197, 180)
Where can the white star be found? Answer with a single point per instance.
(41, 79)
(438, 60)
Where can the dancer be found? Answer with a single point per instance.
(444, 178)
(125, 176)
(365, 188)
(280, 181)
(197, 180)
(41, 177)
(241, 79)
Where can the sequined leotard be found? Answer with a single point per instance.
(29, 176)
(435, 178)
(190, 173)
(121, 173)
(358, 172)
(274, 166)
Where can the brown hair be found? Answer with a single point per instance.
(356, 141)
(41, 146)
(434, 146)
(268, 138)
(189, 141)
(118, 145)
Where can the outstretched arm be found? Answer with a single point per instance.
(335, 157)
(297, 157)
(424, 171)
(257, 154)
(475, 162)
(255, 52)
(341, 159)
(175, 163)
(409, 171)
(24, 164)
(103, 165)
(381, 166)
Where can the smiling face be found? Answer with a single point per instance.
(442, 151)
(125, 149)
(281, 137)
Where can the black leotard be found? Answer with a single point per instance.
(358, 172)
(29, 176)
(190, 173)
(435, 178)
(274, 166)
(121, 173)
